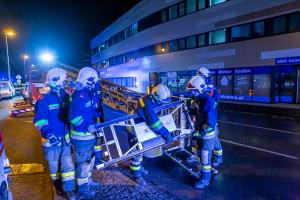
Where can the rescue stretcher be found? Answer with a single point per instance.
(176, 119)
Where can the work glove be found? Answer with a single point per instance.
(92, 128)
(169, 138)
(54, 141)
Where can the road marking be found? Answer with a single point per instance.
(260, 127)
(260, 149)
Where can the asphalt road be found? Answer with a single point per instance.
(261, 161)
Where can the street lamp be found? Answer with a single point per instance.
(8, 33)
(25, 57)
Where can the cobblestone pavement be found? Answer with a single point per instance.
(116, 184)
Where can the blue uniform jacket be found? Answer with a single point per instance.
(81, 113)
(207, 120)
(51, 115)
(145, 109)
(97, 101)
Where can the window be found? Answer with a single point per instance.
(191, 42)
(259, 29)
(279, 25)
(182, 44)
(225, 85)
(134, 28)
(240, 32)
(261, 87)
(243, 87)
(294, 22)
(201, 40)
(181, 9)
(173, 12)
(201, 4)
(174, 45)
(215, 2)
(172, 81)
(164, 16)
(191, 6)
(162, 48)
(217, 37)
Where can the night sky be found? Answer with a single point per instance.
(64, 27)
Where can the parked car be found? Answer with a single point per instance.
(5, 169)
(7, 89)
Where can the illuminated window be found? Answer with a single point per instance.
(217, 37)
(215, 2)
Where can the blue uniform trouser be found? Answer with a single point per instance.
(61, 165)
(83, 153)
(98, 152)
(218, 150)
(206, 147)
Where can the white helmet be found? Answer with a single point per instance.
(198, 83)
(162, 92)
(203, 71)
(88, 76)
(56, 76)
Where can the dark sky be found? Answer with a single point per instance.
(62, 26)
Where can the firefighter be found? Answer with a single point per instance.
(204, 127)
(50, 118)
(99, 115)
(82, 116)
(146, 104)
(215, 94)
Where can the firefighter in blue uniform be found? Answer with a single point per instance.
(99, 115)
(204, 126)
(215, 94)
(146, 104)
(83, 118)
(51, 119)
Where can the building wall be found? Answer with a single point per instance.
(255, 52)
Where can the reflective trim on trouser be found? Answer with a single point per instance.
(82, 181)
(97, 148)
(68, 176)
(205, 168)
(55, 176)
(135, 165)
(218, 152)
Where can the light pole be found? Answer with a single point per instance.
(8, 33)
(25, 57)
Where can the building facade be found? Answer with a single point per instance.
(251, 47)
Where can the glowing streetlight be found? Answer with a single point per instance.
(25, 57)
(47, 57)
(8, 33)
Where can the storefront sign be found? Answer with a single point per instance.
(290, 60)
